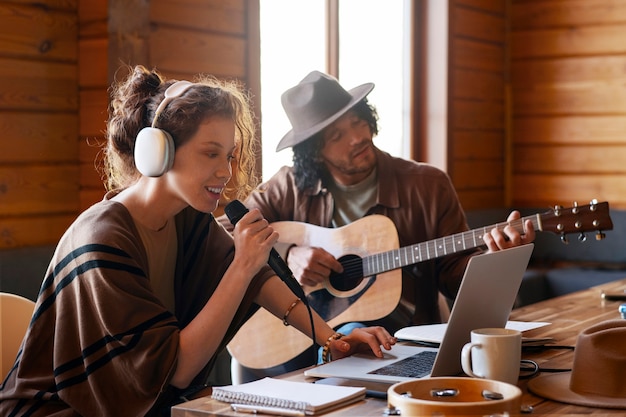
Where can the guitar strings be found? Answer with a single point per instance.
(354, 267)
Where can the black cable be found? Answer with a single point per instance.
(533, 369)
(540, 348)
(314, 346)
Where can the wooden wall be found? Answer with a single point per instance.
(39, 174)
(568, 82)
(477, 101)
(537, 102)
(93, 83)
(57, 60)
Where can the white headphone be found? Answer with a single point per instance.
(154, 147)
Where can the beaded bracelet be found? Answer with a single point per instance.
(326, 349)
(289, 311)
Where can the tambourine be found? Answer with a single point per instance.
(453, 396)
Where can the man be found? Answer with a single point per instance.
(339, 176)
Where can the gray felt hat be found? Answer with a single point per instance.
(316, 102)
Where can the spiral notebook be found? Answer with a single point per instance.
(270, 395)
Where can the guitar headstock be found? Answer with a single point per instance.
(578, 219)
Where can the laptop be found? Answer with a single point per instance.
(485, 299)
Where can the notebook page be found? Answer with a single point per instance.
(434, 332)
(303, 396)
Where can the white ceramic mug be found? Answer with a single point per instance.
(493, 353)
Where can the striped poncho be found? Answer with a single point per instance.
(101, 343)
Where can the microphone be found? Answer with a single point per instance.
(235, 210)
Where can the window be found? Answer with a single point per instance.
(373, 44)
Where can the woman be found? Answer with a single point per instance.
(145, 288)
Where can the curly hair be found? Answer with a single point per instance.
(308, 168)
(134, 103)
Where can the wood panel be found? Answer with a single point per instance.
(476, 199)
(477, 115)
(93, 44)
(91, 11)
(219, 55)
(550, 189)
(38, 32)
(478, 85)
(93, 112)
(570, 71)
(570, 85)
(589, 98)
(228, 17)
(596, 40)
(526, 14)
(92, 19)
(477, 145)
(570, 129)
(477, 105)
(478, 174)
(477, 24)
(585, 160)
(38, 114)
(480, 56)
(37, 86)
(89, 148)
(485, 5)
(39, 189)
(88, 197)
(68, 5)
(29, 137)
(24, 231)
(92, 56)
(92, 179)
(568, 99)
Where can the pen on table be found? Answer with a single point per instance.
(259, 409)
(376, 394)
(614, 296)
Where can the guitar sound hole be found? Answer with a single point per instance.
(351, 276)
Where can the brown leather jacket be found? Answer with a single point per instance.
(422, 203)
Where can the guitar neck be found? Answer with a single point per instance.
(420, 252)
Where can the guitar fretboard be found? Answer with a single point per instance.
(420, 252)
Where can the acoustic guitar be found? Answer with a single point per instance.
(371, 284)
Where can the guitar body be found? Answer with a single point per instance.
(340, 299)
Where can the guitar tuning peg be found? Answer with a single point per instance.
(582, 237)
(564, 239)
(600, 235)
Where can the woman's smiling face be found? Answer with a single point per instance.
(203, 164)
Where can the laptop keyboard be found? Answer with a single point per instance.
(415, 366)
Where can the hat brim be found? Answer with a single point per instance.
(556, 387)
(292, 138)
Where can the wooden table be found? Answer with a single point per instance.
(568, 315)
